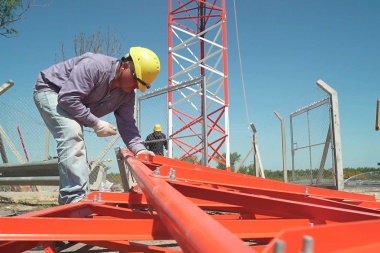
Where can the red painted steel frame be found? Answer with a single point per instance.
(203, 210)
(197, 42)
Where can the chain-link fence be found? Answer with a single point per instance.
(311, 145)
(24, 137)
(363, 181)
(152, 110)
(187, 142)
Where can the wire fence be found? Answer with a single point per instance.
(312, 159)
(153, 109)
(25, 138)
(364, 181)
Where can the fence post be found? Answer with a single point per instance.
(284, 166)
(336, 138)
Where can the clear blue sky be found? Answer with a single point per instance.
(285, 47)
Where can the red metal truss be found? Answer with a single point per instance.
(198, 115)
(203, 210)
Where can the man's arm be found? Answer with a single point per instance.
(146, 143)
(165, 142)
(126, 124)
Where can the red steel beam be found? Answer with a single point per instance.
(204, 210)
(281, 207)
(206, 174)
(361, 236)
(191, 227)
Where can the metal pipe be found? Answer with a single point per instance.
(48, 180)
(204, 126)
(23, 144)
(34, 167)
(191, 227)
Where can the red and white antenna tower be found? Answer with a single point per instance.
(197, 40)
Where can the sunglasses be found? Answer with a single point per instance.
(140, 81)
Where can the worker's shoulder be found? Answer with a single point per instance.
(99, 59)
(99, 56)
(149, 136)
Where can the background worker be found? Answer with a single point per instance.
(156, 141)
(76, 93)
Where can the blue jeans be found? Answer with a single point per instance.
(71, 149)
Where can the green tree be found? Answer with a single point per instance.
(249, 170)
(234, 157)
(193, 160)
(12, 11)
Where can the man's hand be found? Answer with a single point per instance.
(145, 151)
(104, 129)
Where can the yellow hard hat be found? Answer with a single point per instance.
(147, 66)
(157, 128)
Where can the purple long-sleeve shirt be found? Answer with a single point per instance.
(83, 85)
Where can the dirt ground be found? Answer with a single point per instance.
(21, 202)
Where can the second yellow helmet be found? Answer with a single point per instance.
(157, 128)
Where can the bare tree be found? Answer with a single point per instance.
(12, 11)
(106, 43)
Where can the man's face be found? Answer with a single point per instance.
(157, 133)
(125, 77)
